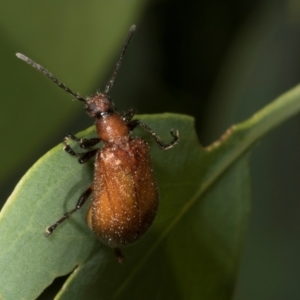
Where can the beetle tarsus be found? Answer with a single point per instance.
(48, 231)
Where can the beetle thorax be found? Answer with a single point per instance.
(109, 124)
(112, 128)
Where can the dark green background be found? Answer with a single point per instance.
(219, 61)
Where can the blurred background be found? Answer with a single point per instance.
(219, 60)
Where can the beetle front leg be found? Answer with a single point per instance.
(134, 123)
(128, 115)
(83, 143)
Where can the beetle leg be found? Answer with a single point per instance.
(84, 157)
(83, 143)
(119, 255)
(128, 115)
(82, 199)
(132, 124)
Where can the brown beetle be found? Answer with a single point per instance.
(125, 194)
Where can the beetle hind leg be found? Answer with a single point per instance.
(82, 199)
(119, 255)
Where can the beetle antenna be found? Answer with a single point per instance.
(119, 62)
(47, 73)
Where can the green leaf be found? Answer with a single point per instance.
(191, 252)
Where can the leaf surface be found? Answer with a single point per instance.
(191, 252)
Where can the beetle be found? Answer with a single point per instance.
(125, 194)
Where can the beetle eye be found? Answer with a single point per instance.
(91, 107)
